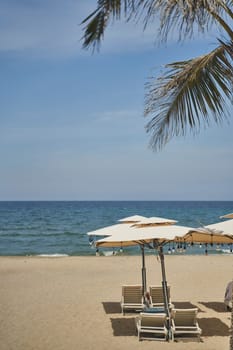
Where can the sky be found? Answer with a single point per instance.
(72, 124)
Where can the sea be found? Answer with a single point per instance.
(59, 228)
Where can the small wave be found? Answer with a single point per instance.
(226, 251)
(52, 255)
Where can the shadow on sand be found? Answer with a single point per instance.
(210, 327)
(123, 326)
(111, 307)
(213, 327)
(185, 305)
(215, 305)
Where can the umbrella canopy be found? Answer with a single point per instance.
(227, 216)
(219, 233)
(109, 230)
(125, 232)
(131, 236)
(224, 227)
(154, 221)
(132, 219)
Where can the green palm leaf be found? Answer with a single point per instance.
(191, 93)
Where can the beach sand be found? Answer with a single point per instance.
(73, 302)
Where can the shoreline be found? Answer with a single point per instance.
(73, 302)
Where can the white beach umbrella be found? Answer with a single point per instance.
(225, 227)
(157, 236)
(124, 229)
(144, 235)
(218, 233)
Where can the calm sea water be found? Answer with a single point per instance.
(50, 228)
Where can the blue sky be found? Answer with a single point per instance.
(72, 125)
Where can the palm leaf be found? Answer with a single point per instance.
(191, 93)
(98, 20)
(180, 15)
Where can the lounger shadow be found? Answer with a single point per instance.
(213, 327)
(111, 307)
(123, 326)
(215, 305)
(185, 305)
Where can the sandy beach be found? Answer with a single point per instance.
(73, 302)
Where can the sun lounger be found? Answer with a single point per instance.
(184, 323)
(131, 298)
(157, 298)
(151, 326)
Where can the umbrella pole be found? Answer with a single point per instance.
(144, 287)
(165, 290)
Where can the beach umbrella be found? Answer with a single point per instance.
(218, 233)
(125, 224)
(211, 234)
(141, 221)
(155, 236)
(225, 227)
(124, 229)
(158, 236)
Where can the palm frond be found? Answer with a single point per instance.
(185, 16)
(191, 93)
(180, 15)
(98, 20)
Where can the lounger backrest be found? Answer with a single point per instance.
(156, 293)
(132, 294)
(152, 320)
(184, 317)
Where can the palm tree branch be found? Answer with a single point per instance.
(184, 15)
(190, 92)
(173, 14)
(98, 20)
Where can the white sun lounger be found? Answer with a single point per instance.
(131, 298)
(184, 323)
(151, 326)
(157, 298)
